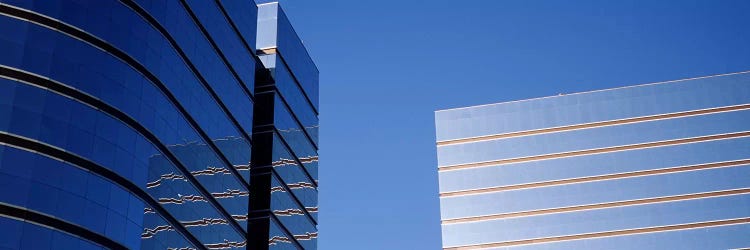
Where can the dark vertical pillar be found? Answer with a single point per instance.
(259, 213)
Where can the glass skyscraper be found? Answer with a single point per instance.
(655, 166)
(141, 124)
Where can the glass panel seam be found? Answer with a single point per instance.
(296, 120)
(613, 176)
(41, 219)
(47, 83)
(215, 47)
(595, 151)
(675, 227)
(594, 125)
(294, 197)
(96, 42)
(56, 153)
(296, 159)
(296, 81)
(652, 200)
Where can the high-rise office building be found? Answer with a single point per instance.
(145, 124)
(655, 166)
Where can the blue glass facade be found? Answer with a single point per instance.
(145, 124)
(656, 166)
(285, 133)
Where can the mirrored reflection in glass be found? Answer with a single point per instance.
(278, 240)
(192, 102)
(90, 136)
(295, 177)
(77, 196)
(292, 216)
(295, 138)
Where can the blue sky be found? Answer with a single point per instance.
(386, 66)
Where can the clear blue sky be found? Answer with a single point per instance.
(386, 66)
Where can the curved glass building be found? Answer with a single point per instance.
(655, 166)
(140, 124)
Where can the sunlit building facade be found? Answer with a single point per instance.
(139, 124)
(655, 166)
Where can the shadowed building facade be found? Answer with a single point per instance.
(655, 166)
(145, 124)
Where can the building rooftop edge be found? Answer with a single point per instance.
(599, 90)
(280, 8)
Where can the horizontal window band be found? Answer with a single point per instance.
(595, 125)
(273, 51)
(218, 51)
(285, 230)
(76, 33)
(236, 30)
(658, 229)
(201, 80)
(597, 178)
(272, 91)
(294, 197)
(296, 80)
(294, 116)
(265, 215)
(51, 151)
(599, 206)
(30, 216)
(81, 97)
(98, 43)
(294, 155)
(270, 169)
(596, 151)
